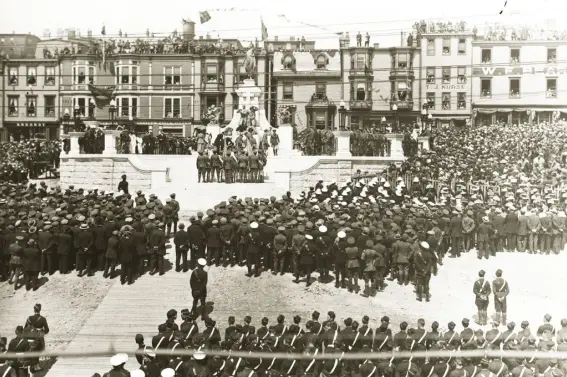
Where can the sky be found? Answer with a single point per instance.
(382, 19)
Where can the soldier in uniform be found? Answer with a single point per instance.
(306, 259)
(156, 243)
(253, 250)
(485, 233)
(500, 289)
(202, 166)
(229, 164)
(181, 242)
(422, 269)
(280, 251)
(254, 166)
(37, 327)
(353, 265)
(31, 263)
(216, 167)
(243, 167)
(369, 256)
(482, 291)
(340, 259)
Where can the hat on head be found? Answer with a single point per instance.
(84, 226)
(254, 225)
(322, 229)
(202, 262)
(199, 355)
(424, 244)
(167, 372)
(341, 234)
(137, 373)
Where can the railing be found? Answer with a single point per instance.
(212, 86)
(361, 104)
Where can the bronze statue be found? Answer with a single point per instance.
(250, 62)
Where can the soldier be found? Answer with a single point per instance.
(196, 238)
(47, 245)
(501, 290)
(118, 362)
(214, 244)
(156, 243)
(482, 291)
(216, 163)
(202, 166)
(353, 265)
(340, 259)
(485, 233)
(199, 280)
(229, 165)
(254, 166)
(243, 167)
(534, 227)
(181, 242)
(369, 256)
(226, 234)
(31, 264)
(253, 250)
(126, 252)
(280, 251)
(422, 268)
(16, 250)
(306, 259)
(36, 325)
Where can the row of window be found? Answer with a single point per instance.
(446, 102)
(486, 55)
(288, 62)
(515, 92)
(446, 47)
(31, 76)
(320, 90)
(446, 75)
(31, 106)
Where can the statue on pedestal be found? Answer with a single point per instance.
(250, 62)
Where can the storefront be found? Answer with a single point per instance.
(321, 114)
(20, 131)
(449, 120)
(487, 116)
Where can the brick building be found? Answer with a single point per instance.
(515, 81)
(445, 71)
(306, 82)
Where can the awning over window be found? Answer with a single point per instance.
(507, 110)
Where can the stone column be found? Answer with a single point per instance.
(74, 143)
(396, 149)
(343, 143)
(424, 142)
(110, 141)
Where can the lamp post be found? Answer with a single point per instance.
(342, 115)
(397, 125)
(112, 112)
(131, 126)
(92, 107)
(66, 118)
(383, 125)
(429, 121)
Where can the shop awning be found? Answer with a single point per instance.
(519, 110)
(451, 117)
(31, 124)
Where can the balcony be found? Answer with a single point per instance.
(401, 71)
(402, 105)
(360, 104)
(360, 72)
(212, 86)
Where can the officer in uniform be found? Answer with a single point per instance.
(422, 269)
(229, 164)
(254, 165)
(216, 166)
(243, 167)
(368, 257)
(500, 289)
(202, 166)
(482, 291)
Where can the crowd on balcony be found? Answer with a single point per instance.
(20, 161)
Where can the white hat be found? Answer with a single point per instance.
(424, 244)
(199, 355)
(254, 225)
(137, 373)
(309, 236)
(322, 229)
(118, 359)
(202, 261)
(167, 372)
(341, 234)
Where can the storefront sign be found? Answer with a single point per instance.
(446, 87)
(520, 70)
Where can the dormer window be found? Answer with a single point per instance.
(288, 62)
(321, 62)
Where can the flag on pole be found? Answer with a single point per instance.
(264, 30)
(103, 31)
(205, 16)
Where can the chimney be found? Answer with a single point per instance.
(60, 33)
(90, 34)
(71, 33)
(292, 39)
(45, 33)
(276, 38)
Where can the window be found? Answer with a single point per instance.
(321, 90)
(354, 123)
(321, 62)
(551, 88)
(127, 106)
(172, 75)
(431, 100)
(360, 91)
(431, 47)
(13, 73)
(49, 106)
(125, 75)
(288, 90)
(462, 49)
(446, 101)
(288, 62)
(402, 61)
(91, 75)
(84, 72)
(212, 73)
(134, 77)
(13, 105)
(446, 47)
(49, 76)
(461, 101)
(446, 75)
(462, 75)
(485, 88)
(514, 88)
(80, 104)
(361, 61)
(486, 55)
(32, 76)
(515, 56)
(403, 91)
(431, 75)
(551, 55)
(31, 106)
(172, 108)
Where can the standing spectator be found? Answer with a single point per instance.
(274, 142)
(199, 279)
(123, 185)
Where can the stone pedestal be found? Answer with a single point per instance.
(110, 142)
(285, 133)
(75, 148)
(423, 142)
(396, 149)
(343, 143)
(249, 95)
(214, 130)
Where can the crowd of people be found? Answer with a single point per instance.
(28, 159)
(330, 337)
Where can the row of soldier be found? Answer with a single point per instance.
(241, 168)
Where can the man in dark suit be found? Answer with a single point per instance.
(522, 230)
(196, 238)
(126, 252)
(511, 229)
(156, 243)
(31, 263)
(199, 279)
(85, 252)
(456, 234)
(181, 241)
(214, 244)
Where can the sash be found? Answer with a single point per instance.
(409, 367)
(495, 338)
(211, 334)
(522, 372)
(508, 337)
(354, 341)
(312, 361)
(236, 366)
(320, 328)
(384, 342)
(178, 365)
(220, 369)
(265, 335)
(431, 371)
(532, 359)
(190, 331)
(334, 366)
(159, 343)
(271, 364)
(293, 340)
(452, 337)
(173, 348)
(501, 369)
(335, 336)
(474, 371)
(251, 373)
(446, 370)
(373, 371)
(291, 367)
(6, 372)
(422, 337)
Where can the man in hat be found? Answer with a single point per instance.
(501, 290)
(340, 259)
(181, 242)
(85, 252)
(214, 243)
(485, 232)
(482, 291)
(38, 324)
(118, 362)
(31, 263)
(253, 247)
(123, 185)
(157, 245)
(202, 167)
(353, 265)
(16, 250)
(198, 282)
(422, 270)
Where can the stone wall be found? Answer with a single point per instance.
(336, 170)
(96, 171)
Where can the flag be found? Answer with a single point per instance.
(205, 16)
(102, 95)
(103, 31)
(264, 30)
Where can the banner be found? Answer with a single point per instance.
(204, 16)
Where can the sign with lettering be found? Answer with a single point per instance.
(446, 87)
(548, 70)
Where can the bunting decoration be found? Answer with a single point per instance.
(264, 30)
(204, 16)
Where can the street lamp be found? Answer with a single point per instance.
(131, 126)
(92, 106)
(383, 124)
(342, 115)
(395, 110)
(66, 117)
(112, 111)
